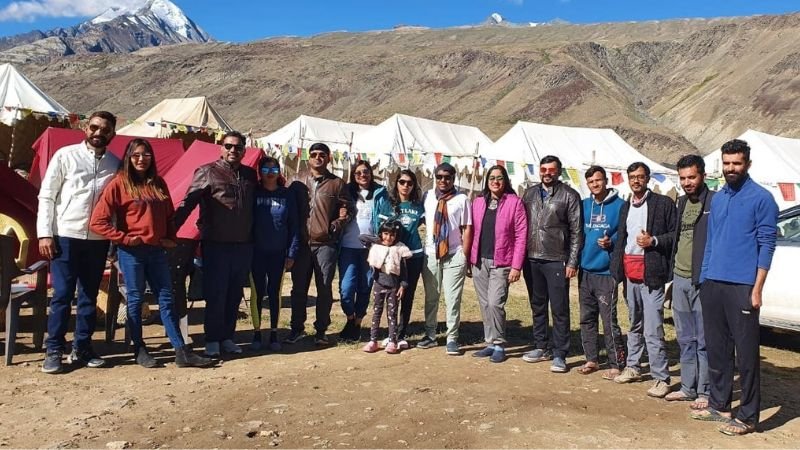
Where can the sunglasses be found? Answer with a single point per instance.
(93, 128)
(362, 173)
(317, 155)
(548, 170)
(237, 147)
(499, 178)
(405, 182)
(141, 155)
(447, 177)
(270, 170)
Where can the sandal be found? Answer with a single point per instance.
(699, 403)
(709, 415)
(736, 428)
(588, 368)
(610, 374)
(679, 396)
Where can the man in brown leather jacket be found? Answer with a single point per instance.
(326, 194)
(224, 191)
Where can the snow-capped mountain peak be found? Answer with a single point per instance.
(168, 13)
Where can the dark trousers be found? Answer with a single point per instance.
(598, 297)
(548, 287)
(227, 269)
(319, 261)
(267, 275)
(181, 265)
(413, 270)
(79, 263)
(730, 324)
(388, 295)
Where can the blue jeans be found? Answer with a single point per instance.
(688, 316)
(355, 281)
(226, 270)
(78, 263)
(147, 263)
(267, 275)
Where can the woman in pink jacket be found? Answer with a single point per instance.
(498, 251)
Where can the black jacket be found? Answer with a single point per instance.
(555, 228)
(661, 224)
(700, 232)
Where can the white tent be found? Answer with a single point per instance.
(306, 130)
(526, 143)
(25, 111)
(776, 165)
(177, 115)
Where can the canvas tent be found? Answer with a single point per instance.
(25, 112)
(187, 119)
(306, 130)
(776, 165)
(167, 151)
(523, 146)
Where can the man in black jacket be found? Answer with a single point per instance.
(555, 237)
(646, 232)
(687, 258)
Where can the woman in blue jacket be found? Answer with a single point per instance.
(275, 228)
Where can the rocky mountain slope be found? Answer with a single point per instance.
(667, 87)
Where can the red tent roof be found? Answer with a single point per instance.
(18, 201)
(180, 177)
(167, 151)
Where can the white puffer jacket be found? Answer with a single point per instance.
(70, 189)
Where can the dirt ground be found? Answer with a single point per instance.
(340, 397)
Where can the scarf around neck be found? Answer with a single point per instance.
(441, 226)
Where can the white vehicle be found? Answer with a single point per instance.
(781, 297)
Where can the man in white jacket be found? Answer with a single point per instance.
(75, 177)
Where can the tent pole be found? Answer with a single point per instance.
(13, 134)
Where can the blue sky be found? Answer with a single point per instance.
(241, 21)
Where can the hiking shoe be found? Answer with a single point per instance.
(274, 344)
(485, 352)
(628, 375)
(498, 355)
(371, 347)
(347, 333)
(256, 345)
(536, 355)
(558, 365)
(212, 349)
(452, 348)
(144, 359)
(228, 346)
(86, 358)
(52, 362)
(402, 344)
(659, 390)
(294, 337)
(185, 357)
(427, 342)
(392, 349)
(320, 339)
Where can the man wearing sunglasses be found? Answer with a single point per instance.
(224, 189)
(318, 255)
(71, 187)
(555, 237)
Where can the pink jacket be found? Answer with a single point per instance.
(511, 230)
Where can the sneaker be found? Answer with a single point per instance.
(320, 339)
(498, 355)
(347, 332)
(371, 347)
(452, 348)
(485, 352)
(536, 355)
(294, 337)
(185, 357)
(391, 348)
(659, 390)
(256, 344)
(558, 365)
(86, 358)
(52, 362)
(384, 343)
(212, 349)
(427, 342)
(402, 344)
(144, 359)
(274, 345)
(628, 375)
(228, 346)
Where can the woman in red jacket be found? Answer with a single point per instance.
(135, 212)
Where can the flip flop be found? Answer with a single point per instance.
(610, 374)
(699, 404)
(709, 415)
(678, 396)
(736, 428)
(587, 369)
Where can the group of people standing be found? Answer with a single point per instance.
(715, 248)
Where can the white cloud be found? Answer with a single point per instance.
(31, 10)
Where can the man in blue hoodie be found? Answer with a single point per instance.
(597, 288)
(742, 230)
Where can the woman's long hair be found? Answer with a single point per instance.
(353, 186)
(148, 186)
(269, 159)
(507, 189)
(415, 196)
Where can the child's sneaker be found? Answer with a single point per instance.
(371, 347)
(391, 348)
(402, 344)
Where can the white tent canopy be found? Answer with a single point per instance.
(306, 130)
(526, 143)
(775, 159)
(18, 92)
(195, 112)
